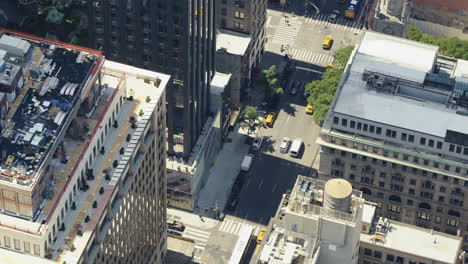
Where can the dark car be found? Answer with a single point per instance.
(175, 225)
(333, 17)
(174, 233)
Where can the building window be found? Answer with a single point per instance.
(458, 150)
(411, 138)
(377, 254)
(390, 257)
(364, 127)
(393, 208)
(410, 202)
(223, 11)
(404, 136)
(17, 244)
(367, 252)
(422, 141)
(223, 22)
(379, 131)
(452, 223)
(344, 122)
(336, 120)
(37, 249)
(239, 15)
(359, 125)
(424, 216)
(451, 147)
(7, 241)
(27, 247)
(439, 145)
(431, 143)
(238, 25)
(352, 124)
(371, 128)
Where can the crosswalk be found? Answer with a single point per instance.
(201, 237)
(232, 226)
(311, 57)
(286, 32)
(341, 23)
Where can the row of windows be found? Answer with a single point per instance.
(397, 155)
(387, 257)
(393, 134)
(17, 245)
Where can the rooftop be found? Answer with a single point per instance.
(307, 198)
(42, 82)
(391, 77)
(234, 42)
(391, 9)
(425, 243)
(219, 82)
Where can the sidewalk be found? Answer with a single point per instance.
(223, 174)
(191, 219)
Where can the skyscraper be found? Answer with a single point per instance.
(173, 37)
(82, 156)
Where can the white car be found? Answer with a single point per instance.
(257, 142)
(285, 145)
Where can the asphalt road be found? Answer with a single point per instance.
(273, 173)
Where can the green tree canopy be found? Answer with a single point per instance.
(453, 47)
(322, 91)
(249, 119)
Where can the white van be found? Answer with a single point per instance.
(296, 147)
(247, 162)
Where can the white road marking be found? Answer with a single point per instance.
(274, 187)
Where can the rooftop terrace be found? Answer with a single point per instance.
(42, 82)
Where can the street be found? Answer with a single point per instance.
(272, 173)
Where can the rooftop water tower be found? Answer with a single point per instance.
(338, 195)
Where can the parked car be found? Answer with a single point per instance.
(296, 148)
(270, 119)
(257, 142)
(174, 233)
(175, 225)
(247, 162)
(333, 17)
(285, 145)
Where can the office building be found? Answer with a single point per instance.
(388, 241)
(319, 222)
(305, 230)
(173, 37)
(82, 156)
(185, 178)
(232, 57)
(247, 18)
(397, 130)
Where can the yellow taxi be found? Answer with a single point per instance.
(330, 66)
(270, 119)
(327, 42)
(261, 235)
(309, 109)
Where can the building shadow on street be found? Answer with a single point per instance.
(259, 205)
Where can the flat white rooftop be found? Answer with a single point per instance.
(417, 241)
(234, 42)
(401, 58)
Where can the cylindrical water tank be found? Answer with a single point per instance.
(337, 195)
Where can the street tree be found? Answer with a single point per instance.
(321, 92)
(249, 119)
(272, 83)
